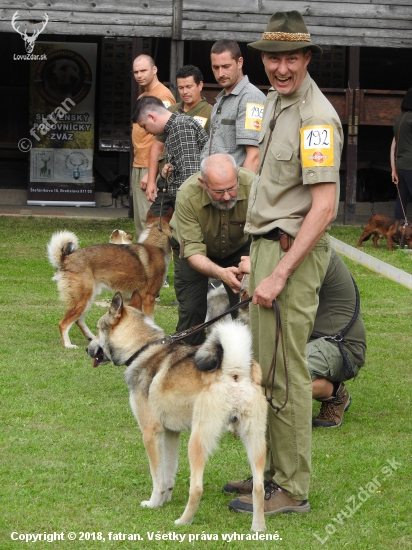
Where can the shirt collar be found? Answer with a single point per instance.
(290, 99)
(169, 123)
(236, 90)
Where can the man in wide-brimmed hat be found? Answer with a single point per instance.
(293, 199)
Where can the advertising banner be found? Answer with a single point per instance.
(62, 95)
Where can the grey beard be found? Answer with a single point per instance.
(227, 205)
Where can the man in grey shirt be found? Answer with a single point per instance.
(237, 115)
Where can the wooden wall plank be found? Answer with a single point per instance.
(271, 6)
(338, 22)
(158, 7)
(148, 31)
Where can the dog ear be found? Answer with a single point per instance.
(116, 307)
(129, 236)
(168, 215)
(149, 217)
(136, 300)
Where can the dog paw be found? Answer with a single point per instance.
(258, 527)
(182, 521)
(150, 504)
(71, 346)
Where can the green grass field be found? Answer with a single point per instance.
(72, 458)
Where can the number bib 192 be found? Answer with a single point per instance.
(316, 146)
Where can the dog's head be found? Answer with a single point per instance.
(152, 220)
(121, 331)
(406, 239)
(119, 236)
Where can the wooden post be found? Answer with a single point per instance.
(177, 45)
(349, 217)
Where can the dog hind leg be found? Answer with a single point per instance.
(81, 323)
(366, 235)
(203, 439)
(170, 456)
(253, 438)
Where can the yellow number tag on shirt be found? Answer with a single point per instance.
(254, 114)
(201, 120)
(316, 146)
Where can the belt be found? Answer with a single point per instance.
(273, 235)
(276, 235)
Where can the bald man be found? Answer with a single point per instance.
(208, 238)
(145, 74)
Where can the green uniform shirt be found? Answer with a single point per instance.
(337, 300)
(305, 148)
(200, 112)
(203, 228)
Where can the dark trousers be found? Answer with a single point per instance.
(405, 191)
(191, 291)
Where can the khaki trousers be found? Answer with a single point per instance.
(289, 432)
(141, 205)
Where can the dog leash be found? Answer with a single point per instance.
(165, 188)
(178, 336)
(270, 379)
(396, 163)
(173, 338)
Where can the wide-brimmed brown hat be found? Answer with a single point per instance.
(285, 32)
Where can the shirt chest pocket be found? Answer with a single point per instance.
(283, 165)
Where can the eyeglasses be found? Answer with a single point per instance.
(223, 191)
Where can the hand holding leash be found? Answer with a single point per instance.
(230, 277)
(268, 290)
(167, 171)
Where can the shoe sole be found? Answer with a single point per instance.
(285, 510)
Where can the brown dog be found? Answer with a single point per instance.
(82, 273)
(394, 231)
(175, 387)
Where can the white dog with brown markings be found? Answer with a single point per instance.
(175, 387)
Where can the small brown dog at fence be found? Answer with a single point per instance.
(394, 231)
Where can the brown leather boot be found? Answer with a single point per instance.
(244, 487)
(331, 412)
(277, 501)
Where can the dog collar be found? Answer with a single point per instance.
(163, 341)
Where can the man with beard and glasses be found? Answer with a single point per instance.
(208, 237)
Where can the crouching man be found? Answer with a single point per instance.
(208, 237)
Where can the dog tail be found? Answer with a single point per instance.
(61, 244)
(229, 347)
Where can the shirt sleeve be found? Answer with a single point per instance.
(188, 230)
(251, 103)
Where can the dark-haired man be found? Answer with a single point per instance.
(189, 81)
(185, 139)
(237, 114)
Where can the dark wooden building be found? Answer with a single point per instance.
(365, 69)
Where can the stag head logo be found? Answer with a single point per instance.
(28, 40)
